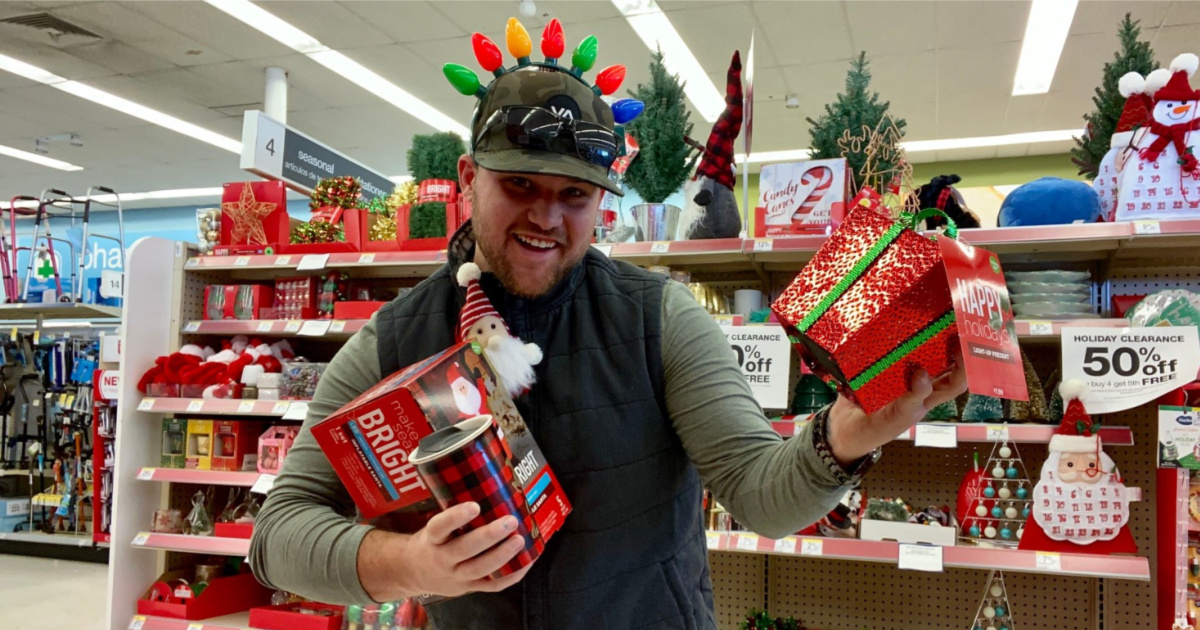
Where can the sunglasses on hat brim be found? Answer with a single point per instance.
(539, 129)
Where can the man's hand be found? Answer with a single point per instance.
(853, 434)
(434, 561)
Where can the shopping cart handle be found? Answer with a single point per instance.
(106, 189)
(58, 192)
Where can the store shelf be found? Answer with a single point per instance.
(209, 477)
(366, 264)
(62, 539)
(984, 559)
(322, 328)
(721, 254)
(1019, 433)
(291, 409)
(1049, 331)
(14, 472)
(57, 310)
(236, 621)
(193, 544)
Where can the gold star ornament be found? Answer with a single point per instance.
(248, 214)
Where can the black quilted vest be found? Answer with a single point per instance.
(632, 553)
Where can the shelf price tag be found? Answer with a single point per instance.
(812, 547)
(338, 326)
(263, 484)
(786, 545)
(366, 259)
(264, 326)
(764, 244)
(1127, 367)
(146, 405)
(146, 474)
(712, 540)
(1047, 561)
(246, 406)
(997, 433)
(194, 406)
(280, 408)
(936, 436)
(195, 626)
(660, 247)
(312, 262)
(747, 542)
(137, 622)
(292, 326)
(1147, 227)
(1041, 329)
(283, 261)
(140, 539)
(241, 261)
(192, 263)
(296, 411)
(921, 558)
(604, 248)
(314, 328)
(191, 327)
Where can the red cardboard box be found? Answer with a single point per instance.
(362, 237)
(426, 244)
(289, 617)
(254, 215)
(223, 596)
(237, 301)
(233, 441)
(369, 439)
(357, 309)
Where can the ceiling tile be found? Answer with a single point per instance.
(804, 32)
(1024, 113)
(211, 27)
(1183, 12)
(406, 22)
(887, 27)
(972, 24)
(117, 21)
(1170, 41)
(985, 71)
(714, 32)
(331, 23)
(968, 116)
(1098, 16)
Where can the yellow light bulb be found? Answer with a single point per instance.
(517, 39)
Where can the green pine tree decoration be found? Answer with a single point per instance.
(845, 128)
(1134, 56)
(945, 412)
(983, 409)
(432, 156)
(663, 163)
(810, 395)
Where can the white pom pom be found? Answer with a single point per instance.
(193, 350)
(1072, 389)
(533, 353)
(1186, 62)
(467, 272)
(1132, 83)
(1156, 80)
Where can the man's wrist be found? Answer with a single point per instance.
(381, 569)
(845, 472)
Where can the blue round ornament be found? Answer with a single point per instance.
(989, 492)
(997, 512)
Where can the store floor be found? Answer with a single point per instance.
(41, 594)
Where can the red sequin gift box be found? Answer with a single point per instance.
(871, 308)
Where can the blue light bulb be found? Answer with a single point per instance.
(626, 110)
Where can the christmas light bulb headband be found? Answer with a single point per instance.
(519, 45)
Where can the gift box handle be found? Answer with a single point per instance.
(914, 220)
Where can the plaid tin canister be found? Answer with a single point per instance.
(468, 461)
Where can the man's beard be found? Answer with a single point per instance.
(501, 267)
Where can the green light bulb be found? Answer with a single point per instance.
(584, 56)
(462, 78)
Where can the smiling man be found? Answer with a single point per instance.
(639, 405)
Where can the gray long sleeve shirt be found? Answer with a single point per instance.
(306, 541)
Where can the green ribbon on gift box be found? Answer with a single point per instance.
(907, 220)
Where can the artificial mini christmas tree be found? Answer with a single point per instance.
(981, 408)
(433, 157)
(852, 121)
(994, 611)
(994, 499)
(810, 395)
(662, 164)
(945, 412)
(1134, 56)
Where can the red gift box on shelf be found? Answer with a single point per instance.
(296, 298)
(233, 530)
(290, 617)
(233, 442)
(876, 304)
(236, 301)
(368, 440)
(253, 216)
(360, 309)
(223, 596)
(426, 244)
(362, 236)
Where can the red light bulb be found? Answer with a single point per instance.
(553, 41)
(486, 52)
(610, 79)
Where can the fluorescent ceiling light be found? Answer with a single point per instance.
(657, 32)
(1045, 35)
(261, 20)
(917, 146)
(38, 159)
(122, 105)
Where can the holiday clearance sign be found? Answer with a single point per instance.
(1127, 367)
(763, 353)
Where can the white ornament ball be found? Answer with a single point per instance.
(981, 511)
(989, 612)
(1020, 532)
(990, 532)
(1011, 512)
(1005, 492)
(997, 591)
(998, 472)
(1005, 451)
(991, 628)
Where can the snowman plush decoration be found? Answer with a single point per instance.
(511, 358)
(1164, 181)
(1131, 129)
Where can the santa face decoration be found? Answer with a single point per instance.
(467, 396)
(1080, 498)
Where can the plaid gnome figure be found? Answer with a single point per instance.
(711, 210)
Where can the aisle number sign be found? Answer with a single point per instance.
(1127, 367)
(273, 150)
(764, 354)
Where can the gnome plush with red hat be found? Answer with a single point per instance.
(1132, 127)
(711, 209)
(1164, 181)
(1080, 504)
(512, 359)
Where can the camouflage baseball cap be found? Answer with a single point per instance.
(553, 89)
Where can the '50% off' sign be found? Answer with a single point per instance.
(764, 354)
(1127, 367)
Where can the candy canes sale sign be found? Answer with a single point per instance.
(800, 198)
